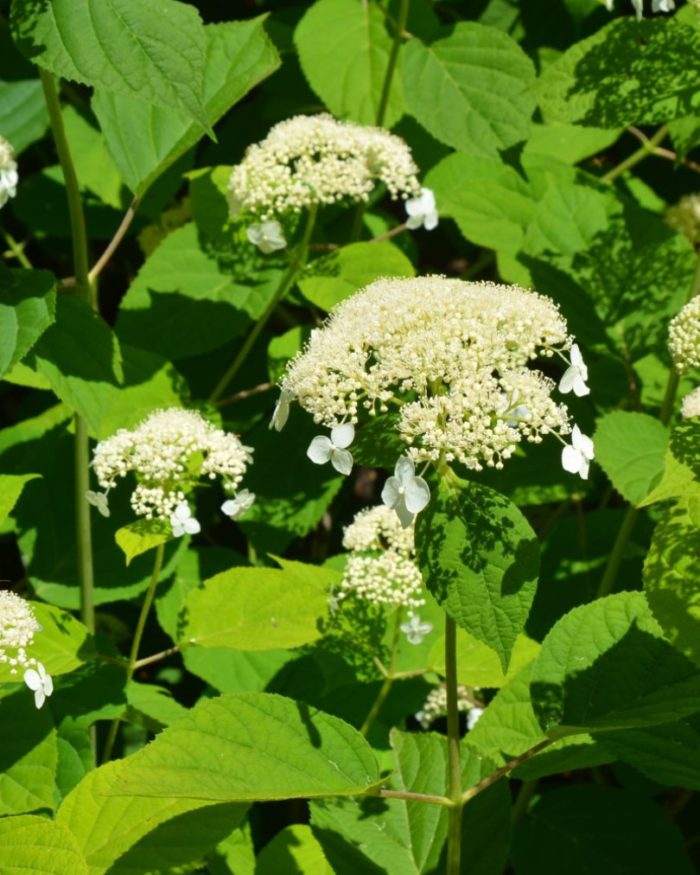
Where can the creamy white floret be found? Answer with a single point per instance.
(684, 337)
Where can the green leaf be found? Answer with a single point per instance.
(479, 665)
(350, 39)
(153, 52)
(295, 851)
(329, 280)
(631, 448)
(27, 308)
(681, 473)
(23, 114)
(181, 304)
(11, 486)
(672, 578)
(64, 643)
(630, 72)
(569, 143)
(471, 90)
(590, 828)
(78, 355)
(36, 846)
(260, 608)
(480, 559)
(252, 746)
(128, 834)
(142, 535)
(28, 755)
(154, 705)
(94, 166)
(606, 665)
(145, 138)
(398, 837)
(235, 671)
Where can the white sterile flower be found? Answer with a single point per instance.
(183, 522)
(334, 449)
(267, 236)
(98, 500)
(8, 172)
(577, 457)
(315, 160)
(691, 404)
(404, 492)
(39, 682)
(416, 629)
(473, 716)
(239, 504)
(421, 211)
(575, 375)
(662, 5)
(280, 414)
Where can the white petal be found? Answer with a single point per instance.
(280, 414)
(39, 697)
(47, 686)
(320, 450)
(405, 470)
(32, 679)
(343, 435)
(403, 513)
(431, 221)
(473, 717)
(576, 357)
(580, 387)
(417, 495)
(178, 527)
(390, 492)
(342, 461)
(583, 469)
(566, 384)
(254, 234)
(414, 222)
(192, 526)
(585, 446)
(182, 513)
(571, 460)
(230, 507)
(638, 8)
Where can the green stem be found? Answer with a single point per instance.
(388, 679)
(454, 827)
(393, 58)
(16, 249)
(136, 642)
(85, 290)
(527, 791)
(647, 148)
(287, 281)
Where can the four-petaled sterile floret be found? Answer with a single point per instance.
(315, 160)
(168, 452)
(684, 337)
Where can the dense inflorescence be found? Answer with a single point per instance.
(436, 706)
(18, 626)
(168, 452)
(314, 160)
(684, 337)
(690, 407)
(8, 172)
(452, 360)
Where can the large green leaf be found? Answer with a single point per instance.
(153, 52)
(672, 578)
(472, 90)
(606, 665)
(11, 486)
(329, 280)
(590, 828)
(260, 608)
(252, 746)
(629, 72)
(96, 171)
(141, 536)
(477, 664)
(295, 851)
(23, 115)
(64, 643)
(480, 559)
(123, 835)
(79, 355)
(27, 308)
(28, 755)
(631, 449)
(146, 138)
(407, 838)
(32, 845)
(351, 40)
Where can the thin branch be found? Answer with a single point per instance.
(149, 660)
(387, 235)
(416, 797)
(245, 393)
(115, 241)
(500, 773)
(663, 152)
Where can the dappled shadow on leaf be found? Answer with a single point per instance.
(95, 691)
(305, 717)
(639, 680)
(685, 444)
(345, 857)
(643, 71)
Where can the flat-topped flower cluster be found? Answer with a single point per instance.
(381, 567)
(436, 706)
(314, 160)
(168, 452)
(18, 626)
(684, 336)
(451, 360)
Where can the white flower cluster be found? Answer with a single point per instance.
(316, 159)
(18, 625)
(168, 452)
(450, 358)
(8, 172)
(381, 566)
(436, 706)
(684, 336)
(656, 6)
(690, 407)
